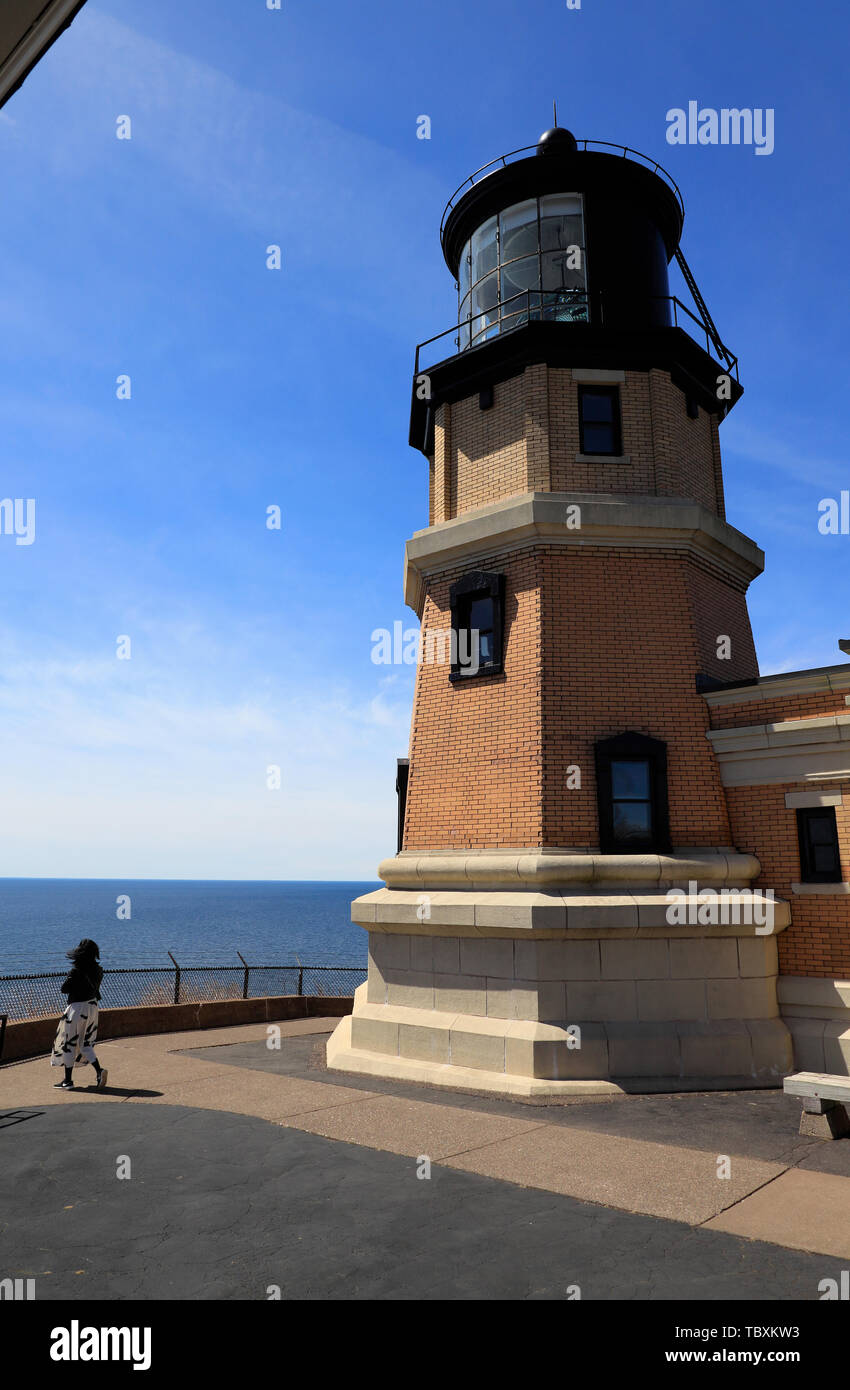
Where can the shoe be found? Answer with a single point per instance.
(100, 1084)
(63, 1086)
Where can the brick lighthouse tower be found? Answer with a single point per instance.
(567, 908)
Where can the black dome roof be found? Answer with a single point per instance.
(557, 141)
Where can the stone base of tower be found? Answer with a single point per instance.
(574, 988)
(816, 1011)
(451, 1050)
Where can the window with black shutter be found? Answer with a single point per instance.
(631, 787)
(818, 836)
(401, 779)
(477, 609)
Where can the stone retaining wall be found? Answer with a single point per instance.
(34, 1037)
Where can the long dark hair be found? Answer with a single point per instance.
(87, 953)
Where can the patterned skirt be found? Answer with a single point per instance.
(76, 1036)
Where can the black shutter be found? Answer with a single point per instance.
(401, 777)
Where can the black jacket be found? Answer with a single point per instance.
(83, 984)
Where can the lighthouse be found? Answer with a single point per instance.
(570, 908)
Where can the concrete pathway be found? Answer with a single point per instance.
(645, 1169)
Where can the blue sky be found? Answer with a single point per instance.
(253, 388)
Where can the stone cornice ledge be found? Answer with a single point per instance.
(829, 678)
(553, 914)
(521, 869)
(667, 523)
(792, 750)
(784, 733)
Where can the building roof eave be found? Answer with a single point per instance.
(28, 28)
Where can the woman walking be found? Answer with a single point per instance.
(77, 1032)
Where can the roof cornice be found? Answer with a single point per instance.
(27, 31)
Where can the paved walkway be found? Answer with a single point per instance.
(252, 1166)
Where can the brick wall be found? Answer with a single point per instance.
(818, 940)
(475, 767)
(488, 448)
(638, 475)
(620, 653)
(683, 448)
(807, 705)
(719, 606)
(597, 641)
(529, 439)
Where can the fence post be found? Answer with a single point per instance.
(300, 974)
(245, 978)
(176, 980)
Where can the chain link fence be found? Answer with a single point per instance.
(39, 996)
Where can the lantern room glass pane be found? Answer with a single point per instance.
(463, 323)
(486, 294)
(534, 253)
(560, 205)
(558, 271)
(519, 276)
(485, 309)
(518, 231)
(484, 250)
(483, 328)
(560, 222)
(463, 272)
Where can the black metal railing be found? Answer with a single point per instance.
(39, 996)
(560, 306)
(711, 340)
(623, 150)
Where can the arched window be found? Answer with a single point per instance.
(631, 788)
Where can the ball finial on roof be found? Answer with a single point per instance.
(557, 141)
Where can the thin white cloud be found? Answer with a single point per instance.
(767, 446)
(104, 783)
(287, 176)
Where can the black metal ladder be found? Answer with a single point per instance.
(703, 308)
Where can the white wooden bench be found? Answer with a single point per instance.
(824, 1098)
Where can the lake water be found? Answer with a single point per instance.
(202, 923)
